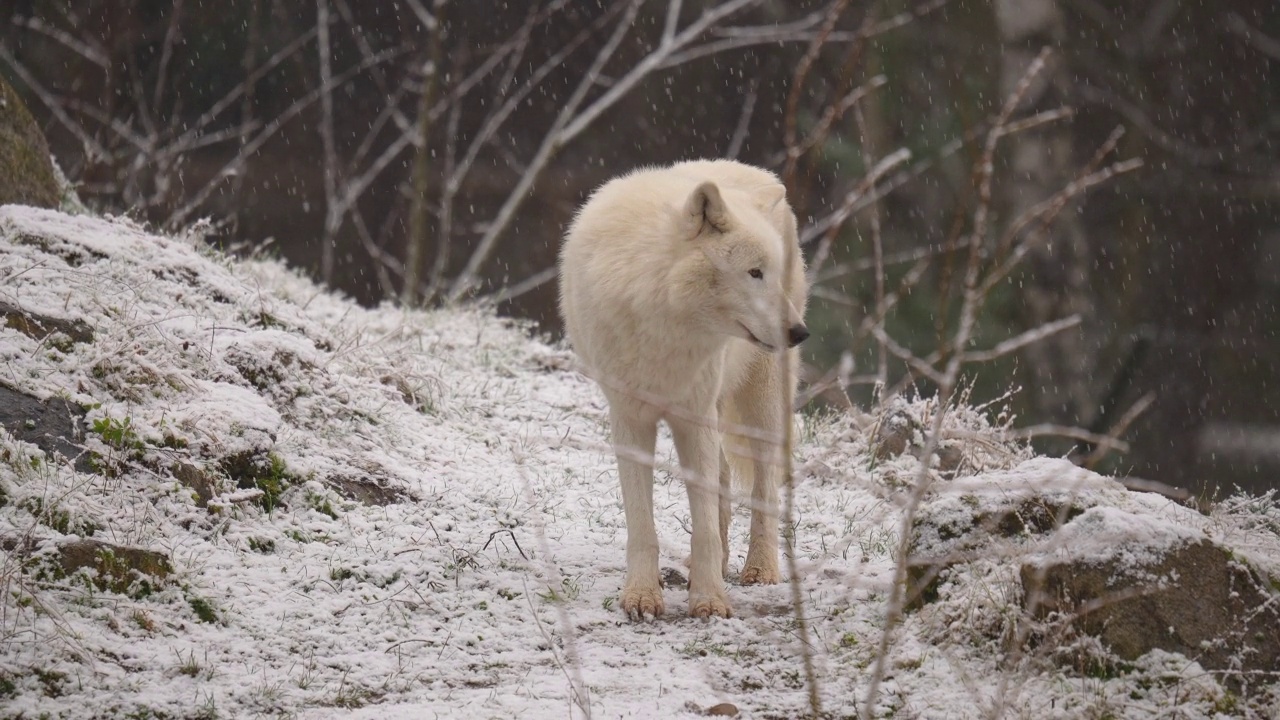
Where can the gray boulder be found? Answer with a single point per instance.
(1140, 584)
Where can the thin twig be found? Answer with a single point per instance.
(744, 120)
(570, 123)
(877, 248)
(330, 168)
(1119, 428)
(1068, 431)
(1021, 340)
(946, 388)
(573, 673)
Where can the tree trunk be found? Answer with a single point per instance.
(419, 221)
(1042, 161)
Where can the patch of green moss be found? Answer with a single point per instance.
(267, 473)
(204, 610)
(267, 320)
(56, 518)
(51, 680)
(147, 714)
(173, 442)
(321, 504)
(1104, 668)
(1228, 704)
(119, 575)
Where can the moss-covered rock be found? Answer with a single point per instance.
(116, 568)
(1196, 598)
(27, 176)
(997, 514)
(60, 333)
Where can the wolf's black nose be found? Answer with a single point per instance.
(797, 334)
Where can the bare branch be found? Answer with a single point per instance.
(744, 120)
(905, 256)
(650, 63)
(805, 30)
(1067, 431)
(946, 387)
(1034, 121)
(1050, 208)
(166, 53)
(877, 248)
(1120, 427)
(673, 21)
(1264, 44)
(332, 217)
(529, 284)
(91, 145)
(236, 93)
(231, 167)
(554, 139)
(426, 18)
(791, 107)
(1013, 344)
(568, 126)
(94, 54)
(383, 260)
(444, 234)
(887, 163)
(453, 180)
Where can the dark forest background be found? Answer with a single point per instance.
(432, 152)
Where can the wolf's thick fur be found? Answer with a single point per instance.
(681, 289)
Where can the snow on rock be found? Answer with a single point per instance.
(402, 514)
(1110, 534)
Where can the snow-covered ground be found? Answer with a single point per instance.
(487, 588)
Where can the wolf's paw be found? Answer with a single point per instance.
(707, 606)
(759, 576)
(641, 603)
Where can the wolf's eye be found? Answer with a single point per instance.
(756, 273)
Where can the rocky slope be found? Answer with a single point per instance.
(226, 492)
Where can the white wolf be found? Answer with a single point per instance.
(682, 289)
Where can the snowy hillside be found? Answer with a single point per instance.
(403, 514)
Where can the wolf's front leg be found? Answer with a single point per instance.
(699, 449)
(761, 567)
(634, 441)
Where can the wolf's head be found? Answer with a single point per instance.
(746, 275)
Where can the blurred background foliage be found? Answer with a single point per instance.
(332, 132)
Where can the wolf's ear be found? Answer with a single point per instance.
(770, 196)
(705, 208)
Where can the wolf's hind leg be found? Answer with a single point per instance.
(726, 509)
(760, 405)
(634, 442)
